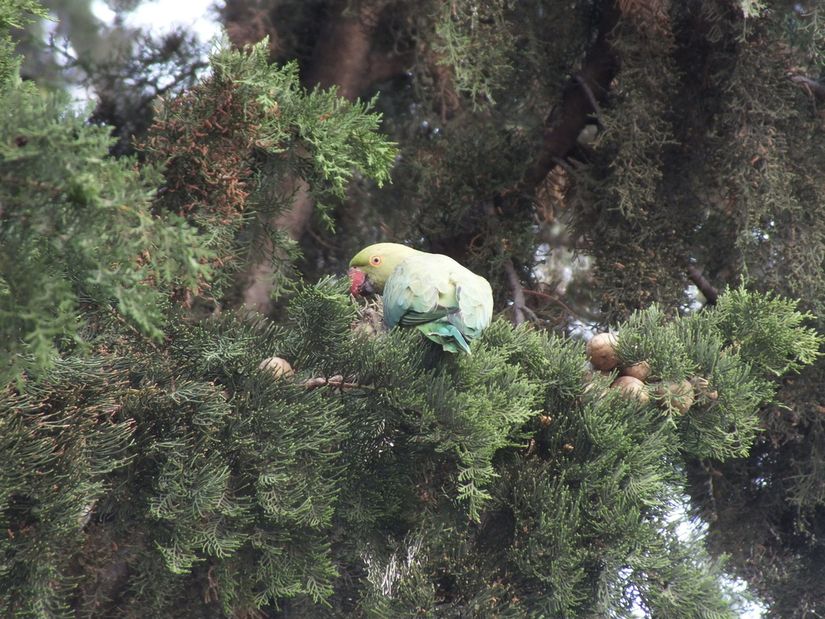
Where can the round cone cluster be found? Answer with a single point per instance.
(602, 352)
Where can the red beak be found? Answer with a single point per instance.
(357, 279)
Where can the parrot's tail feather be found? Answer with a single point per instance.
(446, 335)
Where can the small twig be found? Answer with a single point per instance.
(319, 240)
(530, 313)
(591, 98)
(190, 73)
(336, 381)
(711, 474)
(519, 304)
(814, 88)
(551, 298)
(705, 287)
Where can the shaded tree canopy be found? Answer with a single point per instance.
(648, 166)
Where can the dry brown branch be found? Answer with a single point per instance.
(814, 88)
(705, 287)
(336, 382)
(579, 100)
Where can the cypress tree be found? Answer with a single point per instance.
(157, 465)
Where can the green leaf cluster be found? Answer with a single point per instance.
(78, 232)
(341, 137)
(154, 469)
(384, 477)
(767, 330)
(14, 14)
(240, 147)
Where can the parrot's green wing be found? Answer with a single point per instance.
(448, 303)
(418, 292)
(447, 335)
(475, 305)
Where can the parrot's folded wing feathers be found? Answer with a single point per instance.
(475, 305)
(448, 303)
(447, 335)
(417, 318)
(413, 291)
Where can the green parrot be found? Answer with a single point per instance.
(448, 303)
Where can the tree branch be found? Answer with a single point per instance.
(520, 307)
(557, 301)
(336, 382)
(814, 88)
(579, 100)
(518, 292)
(705, 287)
(591, 98)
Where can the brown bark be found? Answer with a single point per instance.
(704, 286)
(247, 23)
(342, 54)
(589, 86)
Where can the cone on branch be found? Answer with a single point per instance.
(640, 370)
(701, 386)
(631, 387)
(677, 395)
(601, 351)
(279, 367)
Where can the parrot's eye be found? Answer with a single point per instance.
(375, 261)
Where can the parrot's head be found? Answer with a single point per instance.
(371, 266)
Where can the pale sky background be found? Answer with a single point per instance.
(164, 15)
(199, 17)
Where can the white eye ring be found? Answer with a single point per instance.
(375, 261)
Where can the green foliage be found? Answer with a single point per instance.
(237, 148)
(340, 136)
(78, 232)
(691, 576)
(60, 439)
(629, 206)
(14, 14)
(474, 41)
(649, 336)
(156, 470)
(727, 354)
(752, 8)
(384, 477)
(469, 122)
(807, 35)
(637, 127)
(767, 330)
(728, 391)
(491, 400)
